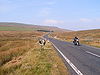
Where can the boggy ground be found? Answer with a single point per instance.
(20, 54)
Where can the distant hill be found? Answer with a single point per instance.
(89, 37)
(94, 33)
(6, 26)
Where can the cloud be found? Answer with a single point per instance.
(4, 8)
(85, 20)
(97, 20)
(42, 3)
(44, 12)
(53, 22)
(46, 8)
(50, 3)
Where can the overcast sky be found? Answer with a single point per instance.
(68, 14)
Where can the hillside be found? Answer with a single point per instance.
(89, 37)
(5, 26)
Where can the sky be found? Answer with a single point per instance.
(67, 14)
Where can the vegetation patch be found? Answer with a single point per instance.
(9, 28)
(89, 37)
(24, 56)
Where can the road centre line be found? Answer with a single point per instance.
(93, 54)
(69, 62)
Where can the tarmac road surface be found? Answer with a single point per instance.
(80, 60)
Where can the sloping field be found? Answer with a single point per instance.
(20, 54)
(11, 28)
(89, 37)
(5, 26)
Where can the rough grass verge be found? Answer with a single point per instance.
(37, 61)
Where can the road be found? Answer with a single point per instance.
(80, 60)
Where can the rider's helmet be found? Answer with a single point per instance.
(75, 37)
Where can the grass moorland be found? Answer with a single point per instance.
(89, 37)
(8, 28)
(20, 54)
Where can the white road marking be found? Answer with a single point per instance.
(69, 62)
(93, 54)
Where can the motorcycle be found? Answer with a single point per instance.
(76, 42)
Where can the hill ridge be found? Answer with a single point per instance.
(32, 26)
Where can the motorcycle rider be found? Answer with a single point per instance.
(75, 40)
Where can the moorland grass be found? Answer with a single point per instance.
(22, 55)
(89, 37)
(15, 29)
